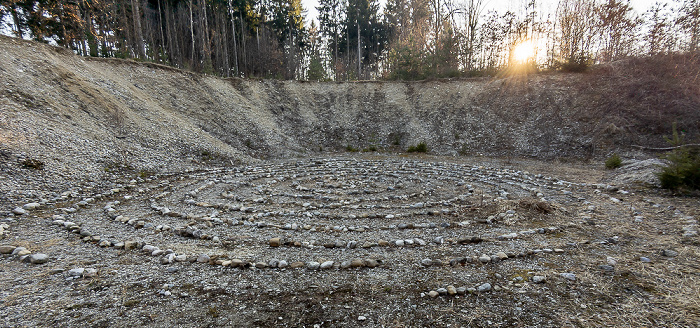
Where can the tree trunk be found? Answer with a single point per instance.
(192, 35)
(138, 37)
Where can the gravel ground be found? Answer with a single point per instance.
(381, 240)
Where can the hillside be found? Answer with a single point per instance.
(61, 108)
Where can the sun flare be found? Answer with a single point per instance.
(524, 52)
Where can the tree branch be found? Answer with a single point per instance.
(667, 148)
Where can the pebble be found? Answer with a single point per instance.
(327, 265)
(204, 258)
(451, 290)
(361, 318)
(442, 291)
(605, 267)
(669, 253)
(426, 262)
(484, 288)
(19, 211)
(645, 259)
(21, 251)
(502, 255)
(433, 294)
(7, 249)
(313, 265)
(130, 244)
(38, 258)
(275, 242)
(357, 263)
(539, 279)
(31, 206)
(77, 272)
(484, 258)
(569, 276)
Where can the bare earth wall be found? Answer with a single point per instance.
(78, 113)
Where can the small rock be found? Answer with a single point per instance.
(19, 211)
(313, 265)
(21, 251)
(442, 291)
(357, 263)
(539, 279)
(426, 262)
(484, 288)
(130, 244)
(296, 265)
(7, 249)
(372, 263)
(484, 258)
(451, 290)
(361, 318)
(645, 259)
(461, 290)
(31, 206)
(327, 265)
(38, 258)
(204, 258)
(282, 264)
(275, 242)
(569, 276)
(502, 255)
(77, 272)
(433, 294)
(605, 267)
(89, 272)
(669, 253)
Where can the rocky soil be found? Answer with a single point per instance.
(140, 195)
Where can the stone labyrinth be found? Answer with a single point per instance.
(341, 217)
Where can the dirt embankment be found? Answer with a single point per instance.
(73, 112)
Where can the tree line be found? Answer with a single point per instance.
(356, 39)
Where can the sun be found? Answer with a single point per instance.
(524, 52)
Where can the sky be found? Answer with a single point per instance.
(500, 5)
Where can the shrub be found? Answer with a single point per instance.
(419, 148)
(684, 168)
(34, 164)
(613, 162)
(351, 149)
(683, 172)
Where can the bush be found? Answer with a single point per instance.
(419, 148)
(613, 162)
(351, 149)
(683, 171)
(34, 164)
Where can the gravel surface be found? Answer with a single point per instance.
(412, 241)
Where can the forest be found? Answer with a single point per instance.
(358, 39)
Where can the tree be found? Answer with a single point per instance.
(659, 38)
(689, 21)
(331, 14)
(617, 29)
